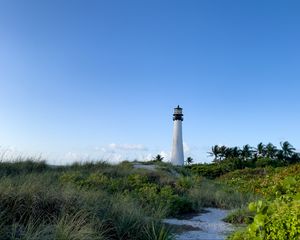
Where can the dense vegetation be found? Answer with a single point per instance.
(270, 173)
(101, 201)
(277, 215)
(228, 159)
(97, 200)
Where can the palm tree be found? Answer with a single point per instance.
(232, 152)
(271, 151)
(215, 151)
(158, 158)
(287, 149)
(279, 155)
(228, 152)
(260, 150)
(189, 160)
(222, 152)
(246, 152)
(295, 158)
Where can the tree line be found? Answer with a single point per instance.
(284, 155)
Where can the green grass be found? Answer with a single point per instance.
(219, 195)
(101, 201)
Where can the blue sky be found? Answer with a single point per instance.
(99, 79)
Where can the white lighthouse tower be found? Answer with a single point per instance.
(177, 157)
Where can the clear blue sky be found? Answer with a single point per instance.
(99, 79)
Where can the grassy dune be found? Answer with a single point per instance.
(102, 201)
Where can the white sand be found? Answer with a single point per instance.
(210, 224)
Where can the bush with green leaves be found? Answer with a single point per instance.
(240, 216)
(278, 217)
(273, 220)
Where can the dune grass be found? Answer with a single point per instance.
(97, 200)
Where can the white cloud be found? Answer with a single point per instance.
(127, 147)
(101, 149)
(74, 157)
(148, 157)
(88, 156)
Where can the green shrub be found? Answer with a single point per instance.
(210, 171)
(264, 162)
(240, 216)
(137, 180)
(184, 184)
(273, 220)
(279, 217)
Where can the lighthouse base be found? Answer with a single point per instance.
(177, 157)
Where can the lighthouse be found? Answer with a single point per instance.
(177, 157)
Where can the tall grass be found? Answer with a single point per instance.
(97, 200)
(36, 204)
(77, 226)
(215, 194)
(22, 167)
(156, 231)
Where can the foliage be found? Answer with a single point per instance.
(77, 202)
(276, 219)
(227, 159)
(144, 187)
(267, 182)
(240, 216)
(158, 158)
(96, 200)
(278, 215)
(214, 170)
(28, 165)
(217, 194)
(189, 160)
(155, 231)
